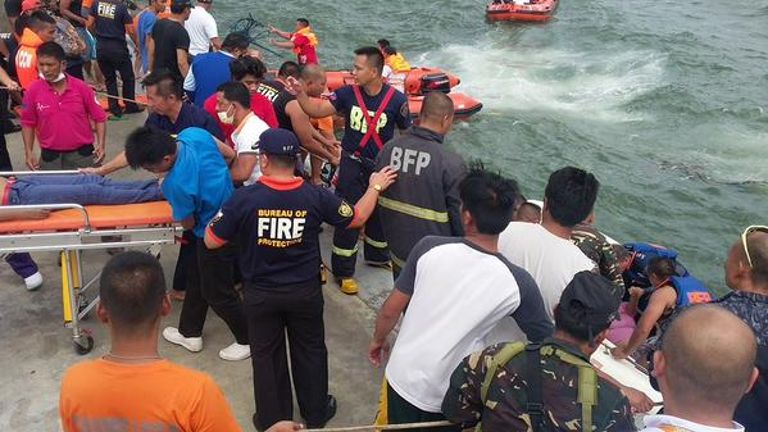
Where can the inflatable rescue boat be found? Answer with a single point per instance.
(521, 10)
(418, 83)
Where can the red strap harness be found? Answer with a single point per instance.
(372, 133)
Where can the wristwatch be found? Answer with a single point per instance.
(377, 187)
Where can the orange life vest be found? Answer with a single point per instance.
(26, 58)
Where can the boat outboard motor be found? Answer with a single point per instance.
(435, 82)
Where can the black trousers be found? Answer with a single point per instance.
(353, 183)
(210, 284)
(113, 58)
(187, 258)
(297, 311)
(401, 411)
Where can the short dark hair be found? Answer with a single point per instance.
(289, 69)
(235, 40)
(383, 43)
(282, 161)
(661, 267)
(489, 198)
(373, 56)
(38, 19)
(241, 67)
(165, 82)
(235, 91)
(51, 49)
(578, 328)
(436, 105)
(389, 50)
(571, 194)
(179, 8)
(131, 289)
(147, 146)
(303, 21)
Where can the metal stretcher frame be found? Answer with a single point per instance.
(71, 242)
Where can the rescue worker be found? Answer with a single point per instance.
(278, 220)
(425, 200)
(271, 88)
(40, 28)
(550, 386)
(371, 109)
(302, 41)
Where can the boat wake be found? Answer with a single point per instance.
(578, 84)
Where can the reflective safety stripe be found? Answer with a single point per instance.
(344, 252)
(396, 261)
(376, 244)
(412, 210)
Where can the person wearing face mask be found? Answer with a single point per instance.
(249, 71)
(210, 70)
(58, 110)
(233, 108)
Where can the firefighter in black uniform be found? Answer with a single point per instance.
(425, 200)
(277, 221)
(371, 110)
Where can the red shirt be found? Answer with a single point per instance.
(62, 121)
(307, 54)
(260, 105)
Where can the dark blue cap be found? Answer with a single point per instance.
(276, 141)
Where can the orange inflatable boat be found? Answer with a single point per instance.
(526, 10)
(419, 82)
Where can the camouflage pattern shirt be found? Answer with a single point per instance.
(752, 308)
(595, 246)
(505, 410)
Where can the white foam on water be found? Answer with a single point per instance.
(579, 84)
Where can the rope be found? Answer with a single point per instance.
(251, 28)
(401, 426)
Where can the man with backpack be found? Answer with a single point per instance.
(551, 386)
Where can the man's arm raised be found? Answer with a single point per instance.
(313, 107)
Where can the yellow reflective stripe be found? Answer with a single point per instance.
(376, 244)
(396, 261)
(412, 210)
(344, 252)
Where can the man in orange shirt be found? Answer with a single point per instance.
(132, 385)
(40, 28)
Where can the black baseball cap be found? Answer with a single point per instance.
(588, 299)
(277, 141)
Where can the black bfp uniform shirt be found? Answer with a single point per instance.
(277, 224)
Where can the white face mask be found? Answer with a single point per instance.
(226, 118)
(57, 79)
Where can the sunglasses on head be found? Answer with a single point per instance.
(745, 234)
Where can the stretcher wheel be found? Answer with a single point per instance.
(83, 350)
(82, 303)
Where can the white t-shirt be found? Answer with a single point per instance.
(551, 260)
(458, 293)
(201, 28)
(654, 423)
(246, 138)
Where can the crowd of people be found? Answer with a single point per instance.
(500, 300)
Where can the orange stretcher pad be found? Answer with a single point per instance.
(101, 217)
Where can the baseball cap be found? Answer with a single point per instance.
(277, 141)
(28, 5)
(588, 299)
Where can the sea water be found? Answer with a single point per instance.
(666, 102)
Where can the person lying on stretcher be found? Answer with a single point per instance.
(71, 189)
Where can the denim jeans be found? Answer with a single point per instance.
(83, 190)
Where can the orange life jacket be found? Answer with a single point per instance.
(26, 58)
(307, 32)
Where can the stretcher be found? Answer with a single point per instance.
(71, 229)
